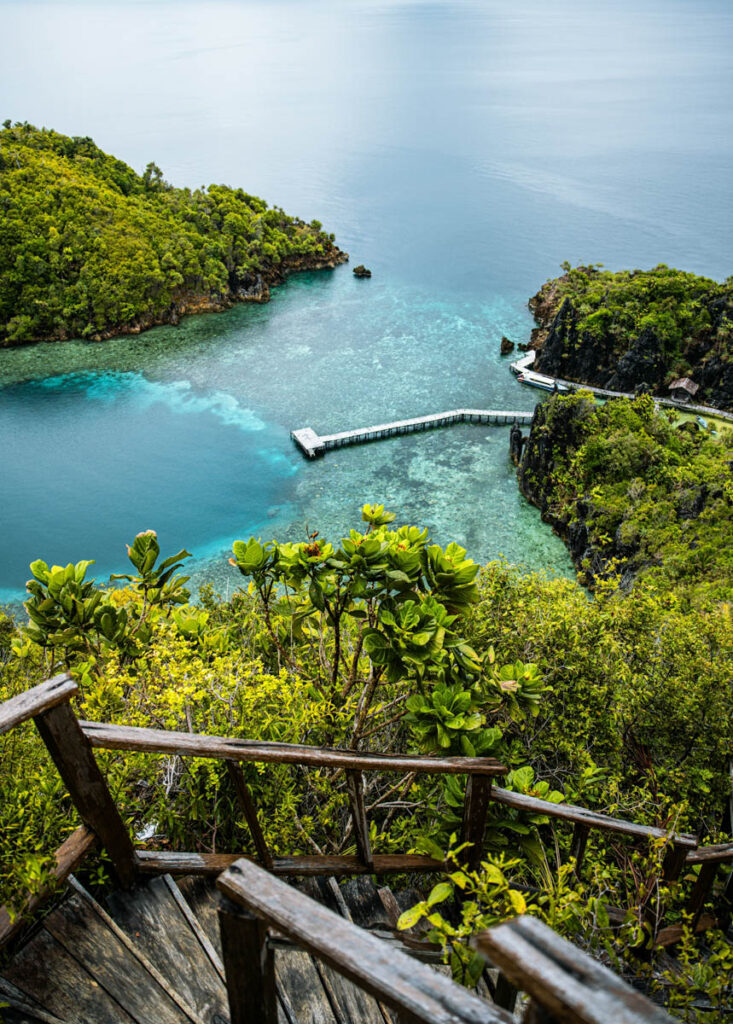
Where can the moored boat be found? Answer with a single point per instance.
(538, 380)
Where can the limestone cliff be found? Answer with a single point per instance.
(637, 330)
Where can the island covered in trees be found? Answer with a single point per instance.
(637, 329)
(90, 249)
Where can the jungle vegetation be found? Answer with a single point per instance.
(620, 700)
(635, 330)
(89, 248)
(638, 491)
(675, 304)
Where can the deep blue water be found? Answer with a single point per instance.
(462, 150)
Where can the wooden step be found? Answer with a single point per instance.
(117, 966)
(51, 976)
(154, 920)
(20, 1008)
(203, 899)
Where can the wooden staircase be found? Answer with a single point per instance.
(153, 954)
(229, 942)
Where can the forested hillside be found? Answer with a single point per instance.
(89, 248)
(637, 329)
(635, 491)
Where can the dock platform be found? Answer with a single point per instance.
(313, 444)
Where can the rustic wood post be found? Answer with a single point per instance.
(475, 810)
(700, 890)
(505, 994)
(536, 1014)
(674, 861)
(580, 838)
(249, 965)
(74, 759)
(250, 812)
(724, 907)
(355, 785)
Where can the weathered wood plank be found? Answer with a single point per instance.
(721, 853)
(39, 698)
(355, 786)
(249, 966)
(113, 965)
(202, 897)
(350, 1004)
(195, 924)
(569, 812)
(302, 988)
(52, 977)
(24, 1009)
(152, 919)
(76, 764)
(120, 737)
(68, 857)
(211, 864)
(566, 982)
(411, 988)
(249, 810)
(475, 809)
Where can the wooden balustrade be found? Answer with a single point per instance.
(71, 744)
(563, 983)
(37, 704)
(355, 763)
(680, 844)
(258, 902)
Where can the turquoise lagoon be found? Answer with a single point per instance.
(461, 150)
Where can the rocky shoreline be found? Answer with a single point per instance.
(560, 425)
(252, 288)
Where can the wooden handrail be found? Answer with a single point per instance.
(48, 706)
(570, 986)
(32, 702)
(722, 853)
(419, 994)
(161, 741)
(68, 857)
(171, 862)
(480, 771)
(591, 819)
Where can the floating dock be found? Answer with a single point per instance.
(313, 444)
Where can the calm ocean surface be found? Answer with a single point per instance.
(459, 149)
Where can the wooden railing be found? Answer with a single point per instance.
(584, 820)
(71, 744)
(564, 983)
(480, 772)
(34, 705)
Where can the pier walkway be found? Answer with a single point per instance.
(522, 366)
(312, 444)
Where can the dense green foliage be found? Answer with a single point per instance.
(654, 495)
(637, 330)
(381, 640)
(675, 304)
(89, 247)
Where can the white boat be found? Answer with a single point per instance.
(538, 380)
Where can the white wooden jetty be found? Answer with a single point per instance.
(313, 444)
